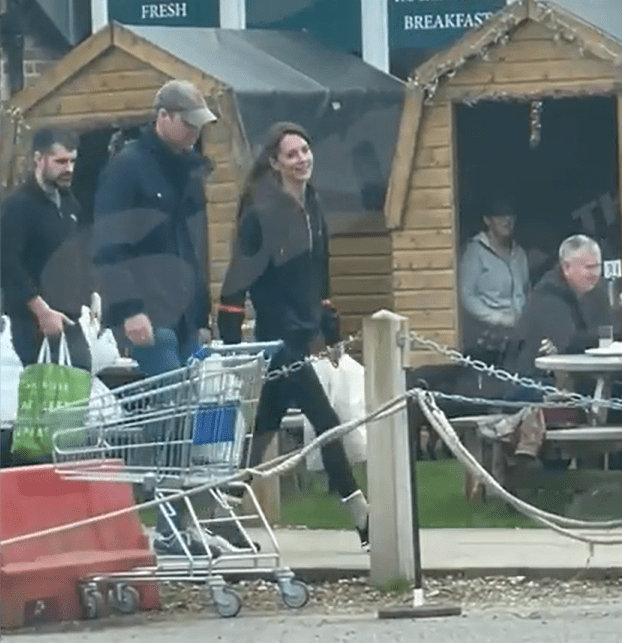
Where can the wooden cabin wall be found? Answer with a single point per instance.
(360, 270)
(224, 144)
(114, 86)
(114, 83)
(424, 249)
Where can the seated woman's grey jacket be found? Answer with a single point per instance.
(493, 289)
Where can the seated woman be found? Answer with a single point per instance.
(494, 283)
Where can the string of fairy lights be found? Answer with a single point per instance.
(431, 75)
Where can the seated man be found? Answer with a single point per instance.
(564, 310)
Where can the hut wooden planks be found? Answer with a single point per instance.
(424, 257)
(360, 277)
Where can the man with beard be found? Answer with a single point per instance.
(38, 219)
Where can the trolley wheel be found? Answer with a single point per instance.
(93, 604)
(294, 593)
(125, 598)
(228, 601)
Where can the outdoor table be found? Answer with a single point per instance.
(600, 367)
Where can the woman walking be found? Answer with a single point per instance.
(280, 259)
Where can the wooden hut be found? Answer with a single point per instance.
(250, 78)
(529, 108)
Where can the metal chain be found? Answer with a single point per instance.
(567, 398)
(487, 401)
(329, 352)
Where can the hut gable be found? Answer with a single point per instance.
(529, 50)
(548, 33)
(113, 71)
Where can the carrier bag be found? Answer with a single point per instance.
(345, 388)
(47, 395)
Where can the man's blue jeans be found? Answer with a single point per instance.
(163, 356)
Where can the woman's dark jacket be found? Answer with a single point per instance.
(280, 258)
(150, 236)
(555, 312)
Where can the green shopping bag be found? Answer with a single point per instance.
(51, 397)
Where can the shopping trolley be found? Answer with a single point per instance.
(184, 429)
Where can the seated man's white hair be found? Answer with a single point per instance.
(577, 244)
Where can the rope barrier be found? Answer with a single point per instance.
(441, 424)
(287, 462)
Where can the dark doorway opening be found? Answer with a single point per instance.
(563, 184)
(93, 154)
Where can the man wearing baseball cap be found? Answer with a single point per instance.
(183, 98)
(150, 244)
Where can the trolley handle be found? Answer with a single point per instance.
(243, 348)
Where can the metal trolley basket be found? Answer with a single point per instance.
(181, 430)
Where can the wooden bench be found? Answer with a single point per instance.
(467, 429)
(583, 442)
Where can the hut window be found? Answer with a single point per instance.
(566, 183)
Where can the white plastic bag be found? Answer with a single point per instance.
(104, 408)
(10, 370)
(345, 388)
(103, 345)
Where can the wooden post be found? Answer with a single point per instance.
(388, 461)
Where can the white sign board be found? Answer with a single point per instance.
(612, 269)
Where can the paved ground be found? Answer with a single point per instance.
(599, 624)
(513, 610)
(512, 551)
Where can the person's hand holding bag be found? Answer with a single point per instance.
(331, 329)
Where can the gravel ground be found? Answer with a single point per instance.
(510, 609)
(495, 594)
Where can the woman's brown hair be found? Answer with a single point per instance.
(269, 150)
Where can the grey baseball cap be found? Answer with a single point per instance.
(183, 97)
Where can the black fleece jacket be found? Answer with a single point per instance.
(281, 259)
(555, 312)
(33, 229)
(150, 236)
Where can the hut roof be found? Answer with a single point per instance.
(262, 61)
(596, 26)
(350, 109)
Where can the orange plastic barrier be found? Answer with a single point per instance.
(39, 578)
